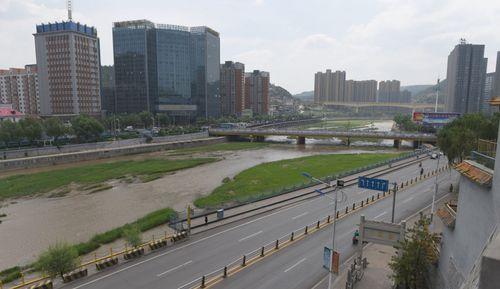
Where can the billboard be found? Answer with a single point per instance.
(435, 119)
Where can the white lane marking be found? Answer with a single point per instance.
(346, 234)
(301, 215)
(250, 236)
(407, 200)
(362, 192)
(380, 215)
(295, 265)
(175, 268)
(192, 243)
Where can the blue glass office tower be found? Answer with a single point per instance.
(166, 68)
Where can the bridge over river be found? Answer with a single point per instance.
(301, 135)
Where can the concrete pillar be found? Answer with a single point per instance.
(416, 144)
(301, 140)
(397, 143)
(348, 142)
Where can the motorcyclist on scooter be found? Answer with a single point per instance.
(355, 238)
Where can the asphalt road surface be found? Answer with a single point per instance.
(298, 266)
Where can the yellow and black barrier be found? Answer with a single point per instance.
(75, 274)
(134, 253)
(106, 263)
(179, 236)
(43, 285)
(153, 245)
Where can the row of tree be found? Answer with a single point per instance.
(30, 130)
(458, 138)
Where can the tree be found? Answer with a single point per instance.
(86, 128)
(31, 129)
(54, 128)
(163, 119)
(458, 138)
(146, 118)
(11, 131)
(405, 123)
(60, 258)
(417, 254)
(132, 235)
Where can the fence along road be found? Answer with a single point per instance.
(215, 248)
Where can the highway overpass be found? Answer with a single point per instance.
(413, 106)
(301, 135)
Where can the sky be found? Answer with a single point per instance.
(408, 40)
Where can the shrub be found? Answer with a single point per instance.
(132, 235)
(60, 258)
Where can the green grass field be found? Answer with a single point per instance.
(36, 183)
(229, 146)
(264, 179)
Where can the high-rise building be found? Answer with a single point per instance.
(465, 74)
(485, 106)
(68, 62)
(19, 87)
(108, 101)
(389, 91)
(257, 92)
(166, 68)
(496, 80)
(329, 86)
(232, 88)
(361, 91)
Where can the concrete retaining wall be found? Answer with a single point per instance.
(40, 161)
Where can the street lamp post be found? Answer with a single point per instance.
(340, 183)
(435, 190)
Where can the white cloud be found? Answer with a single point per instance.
(385, 39)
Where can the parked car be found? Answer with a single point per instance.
(434, 156)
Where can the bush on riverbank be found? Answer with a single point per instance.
(269, 178)
(149, 221)
(43, 182)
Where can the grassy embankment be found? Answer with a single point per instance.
(90, 177)
(268, 178)
(228, 146)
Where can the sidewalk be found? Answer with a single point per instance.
(376, 275)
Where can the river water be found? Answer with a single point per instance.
(32, 224)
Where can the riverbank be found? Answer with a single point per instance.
(32, 224)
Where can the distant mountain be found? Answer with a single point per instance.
(279, 95)
(305, 96)
(428, 95)
(415, 89)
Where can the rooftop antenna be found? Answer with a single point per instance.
(68, 4)
(463, 41)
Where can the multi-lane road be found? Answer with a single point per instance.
(297, 266)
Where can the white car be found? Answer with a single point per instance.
(434, 156)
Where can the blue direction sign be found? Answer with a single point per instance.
(373, 184)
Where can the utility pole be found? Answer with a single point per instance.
(435, 190)
(395, 188)
(437, 97)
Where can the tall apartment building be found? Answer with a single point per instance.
(232, 88)
(329, 86)
(361, 91)
(389, 91)
(465, 74)
(485, 106)
(166, 68)
(68, 61)
(19, 87)
(496, 80)
(257, 92)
